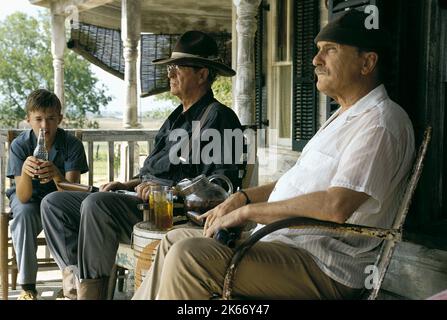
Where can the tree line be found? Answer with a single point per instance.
(26, 64)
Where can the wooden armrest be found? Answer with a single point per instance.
(300, 223)
(72, 186)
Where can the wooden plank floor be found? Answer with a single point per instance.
(50, 282)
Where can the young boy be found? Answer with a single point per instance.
(66, 162)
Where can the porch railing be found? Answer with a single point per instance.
(111, 137)
(89, 137)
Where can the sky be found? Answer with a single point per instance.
(114, 85)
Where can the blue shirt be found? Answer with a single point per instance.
(67, 153)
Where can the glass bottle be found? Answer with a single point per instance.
(40, 152)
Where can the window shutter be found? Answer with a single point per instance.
(154, 78)
(100, 46)
(260, 99)
(306, 19)
(104, 48)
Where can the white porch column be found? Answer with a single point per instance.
(57, 50)
(244, 96)
(130, 35)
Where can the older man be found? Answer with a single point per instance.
(83, 230)
(353, 170)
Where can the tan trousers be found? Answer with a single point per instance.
(190, 266)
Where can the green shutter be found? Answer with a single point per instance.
(306, 19)
(260, 89)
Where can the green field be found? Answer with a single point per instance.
(100, 168)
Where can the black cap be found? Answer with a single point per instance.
(349, 29)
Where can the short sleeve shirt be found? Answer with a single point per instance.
(67, 153)
(368, 148)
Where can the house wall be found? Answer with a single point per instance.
(274, 162)
(420, 269)
(415, 272)
(285, 156)
(275, 73)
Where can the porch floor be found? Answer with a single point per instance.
(49, 282)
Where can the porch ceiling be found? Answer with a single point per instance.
(161, 16)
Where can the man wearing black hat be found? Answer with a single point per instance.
(353, 170)
(192, 68)
(83, 230)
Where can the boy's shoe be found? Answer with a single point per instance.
(28, 295)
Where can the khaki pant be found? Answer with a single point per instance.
(190, 266)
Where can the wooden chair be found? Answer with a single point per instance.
(8, 262)
(389, 236)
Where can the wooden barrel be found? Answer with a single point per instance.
(145, 241)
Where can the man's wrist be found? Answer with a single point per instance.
(244, 196)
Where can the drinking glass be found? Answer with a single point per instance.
(163, 209)
(152, 217)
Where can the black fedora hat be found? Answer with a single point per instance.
(196, 48)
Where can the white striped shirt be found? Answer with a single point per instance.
(368, 148)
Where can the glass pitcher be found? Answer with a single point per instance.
(201, 195)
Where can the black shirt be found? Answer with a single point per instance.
(219, 117)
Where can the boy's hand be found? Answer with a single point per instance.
(48, 171)
(31, 166)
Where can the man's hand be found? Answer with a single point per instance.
(234, 202)
(234, 218)
(143, 189)
(114, 185)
